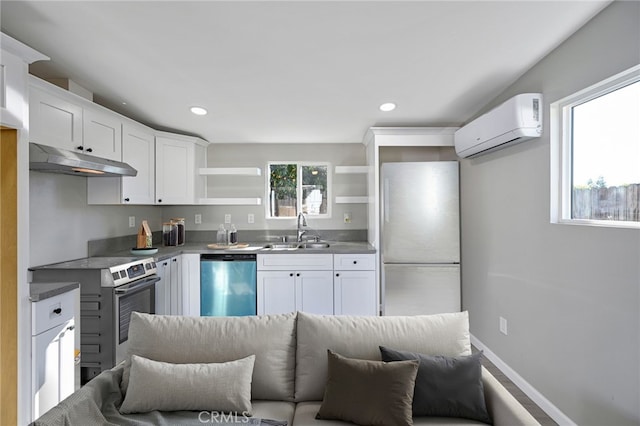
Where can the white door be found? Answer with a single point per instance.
(53, 366)
(314, 292)
(54, 121)
(276, 292)
(163, 287)
(102, 134)
(421, 289)
(355, 293)
(138, 150)
(174, 171)
(176, 285)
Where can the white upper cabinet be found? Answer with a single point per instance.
(64, 120)
(54, 120)
(102, 134)
(138, 150)
(178, 160)
(15, 58)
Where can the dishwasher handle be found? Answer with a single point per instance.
(228, 257)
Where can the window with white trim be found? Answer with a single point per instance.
(295, 187)
(595, 154)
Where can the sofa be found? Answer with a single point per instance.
(294, 369)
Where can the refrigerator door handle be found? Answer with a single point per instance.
(386, 199)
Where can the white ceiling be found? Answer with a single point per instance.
(297, 71)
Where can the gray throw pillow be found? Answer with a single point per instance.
(446, 386)
(368, 392)
(163, 386)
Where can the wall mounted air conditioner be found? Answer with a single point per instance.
(514, 121)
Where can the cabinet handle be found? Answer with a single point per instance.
(160, 200)
(355, 262)
(89, 149)
(337, 275)
(165, 264)
(81, 148)
(57, 311)
(174, 260)
(71, 327)
(126, 200)
(298, 274)
(291, 274)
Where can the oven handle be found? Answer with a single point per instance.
(138, 285)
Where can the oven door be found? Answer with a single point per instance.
(138, 296)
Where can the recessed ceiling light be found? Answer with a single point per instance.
(388, 106)
(198, 110)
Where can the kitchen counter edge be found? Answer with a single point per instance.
(42, 291)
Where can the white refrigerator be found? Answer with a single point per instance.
(420, 247)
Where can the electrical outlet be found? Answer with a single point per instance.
(198, 219)
(503, 326)
(251, 218)
(227, 218)
(132, 221)
(347, 217)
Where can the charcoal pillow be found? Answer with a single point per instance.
(446, 386)
(368, 392)
(163, 386)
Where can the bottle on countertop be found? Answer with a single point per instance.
(179, 221)
(233, 235)
(221, 237)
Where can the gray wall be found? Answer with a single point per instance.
(257, 155)
(61, 222)
(570, 293)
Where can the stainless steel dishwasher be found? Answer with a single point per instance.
(228, 284)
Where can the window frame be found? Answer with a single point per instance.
(299, 191)
(561, 129)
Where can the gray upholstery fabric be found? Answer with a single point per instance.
(361, 337)
(446, 386)
(188, 340)
(223, 387)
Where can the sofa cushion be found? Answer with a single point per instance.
(446, 386)
(369, 392)
(222, 387)
(361, 337)
(188, 340)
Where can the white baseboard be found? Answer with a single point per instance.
(546, 405)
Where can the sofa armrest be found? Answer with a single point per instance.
(503, 407)
(85, 406)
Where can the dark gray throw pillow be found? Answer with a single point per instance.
(368, 392)
(446, 386)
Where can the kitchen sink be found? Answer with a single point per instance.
(282, 246)
(296, 246)
(314, 245)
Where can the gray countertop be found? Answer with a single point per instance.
(42, 291)
(335, 247)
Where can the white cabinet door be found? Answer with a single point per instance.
(174, 171)
(54, 121)
(190, 284)
(355, 293)
(276, 292)
(314, 292)
(175, 281)
(102, 134)
(138, 150)
(163, 287)
(53, 375)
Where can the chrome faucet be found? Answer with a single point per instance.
(302, 223)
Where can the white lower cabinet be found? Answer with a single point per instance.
(169, 288)
(355, 290)
(299, 282)
(53, 344)
(190, 270)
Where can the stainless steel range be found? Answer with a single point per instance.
(110, 289)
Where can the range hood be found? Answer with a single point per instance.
(45, 158)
